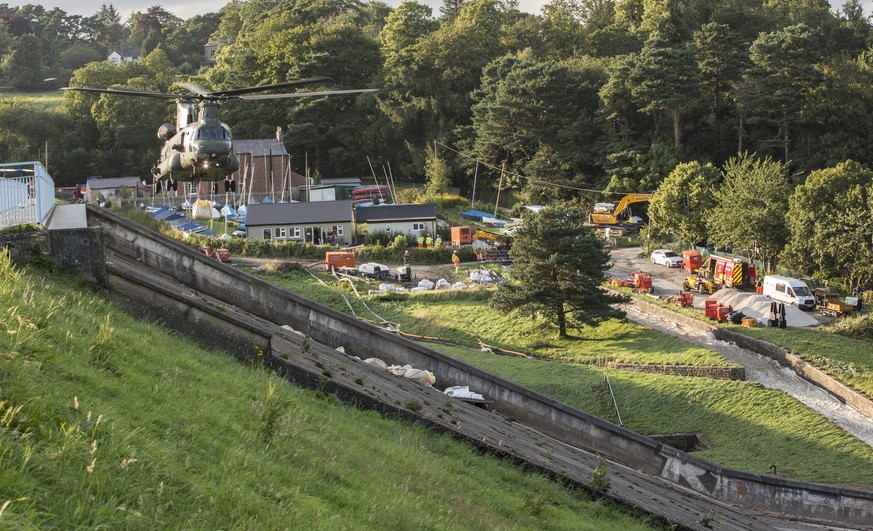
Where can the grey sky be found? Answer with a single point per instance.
(189, 8)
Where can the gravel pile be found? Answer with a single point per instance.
(758, 306)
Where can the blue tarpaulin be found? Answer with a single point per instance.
(476, 214)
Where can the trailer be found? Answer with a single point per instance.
(829, 303)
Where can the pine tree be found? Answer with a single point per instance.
(558, 267)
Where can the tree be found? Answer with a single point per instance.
(830, 218)
(721, 57)
(23, 66)
(750, 208)
(782, 76)
(680, 205)
(439, 179)
(558, 268)
(663, 80)
(538, 118)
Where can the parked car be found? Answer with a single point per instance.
(667, 258)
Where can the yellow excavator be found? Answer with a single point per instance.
(611, 213)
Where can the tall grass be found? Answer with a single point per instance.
(179, 437)
(749, 427)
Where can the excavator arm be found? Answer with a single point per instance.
(611, 218)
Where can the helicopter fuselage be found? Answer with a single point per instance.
(199, 150)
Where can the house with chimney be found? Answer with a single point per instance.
(264, 171)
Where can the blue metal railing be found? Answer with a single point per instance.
(27, 194)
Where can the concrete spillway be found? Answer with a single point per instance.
(157, 277)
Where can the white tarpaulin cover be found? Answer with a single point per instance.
(463, 391)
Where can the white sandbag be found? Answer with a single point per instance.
(443, 283)
(202, 210)
(397, 370)
(425, 284)
(459, 285)
(481, 275)
(376, 362)
(386, 288)
(420, 376)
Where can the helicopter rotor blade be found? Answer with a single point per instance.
(196, 89)
(126, 92)
(304, 94)
(292, 83)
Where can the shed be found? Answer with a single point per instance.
(410, 219)
(99, 189)
(326, 222)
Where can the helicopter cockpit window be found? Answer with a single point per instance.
(225, 133)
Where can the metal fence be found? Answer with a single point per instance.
(27, 194)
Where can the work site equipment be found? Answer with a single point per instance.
(622, 282)
(617, 213)
(461, 236)
(692, 260)
(340, 261)
(684, 299)
(829, 303)
(643, 282)
(403, 274)
(722, 272)
(374, 270)
(716, 311)
(701, 283)
(730, 272)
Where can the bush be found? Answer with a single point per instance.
(400, 242)
(378, 238)
(856, 326)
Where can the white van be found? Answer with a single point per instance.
(789, 290)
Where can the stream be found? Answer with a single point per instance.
(768, 373)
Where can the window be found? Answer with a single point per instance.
(281, 232)
(268, 234)
(780, 288)
(296, 233)
(388, 229)
(339, 230)
(192, 188)
(418, 227)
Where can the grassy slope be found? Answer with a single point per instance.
(44, 101)
(749, 427)
(107, 421)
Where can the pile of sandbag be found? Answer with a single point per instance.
(484, 275)
(407, 372)
(424, 285)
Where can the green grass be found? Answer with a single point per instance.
(847, 359)
(42, 101)
(106, 421)
(464, 318)
(749, 427)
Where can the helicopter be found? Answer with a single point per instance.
(201, 148)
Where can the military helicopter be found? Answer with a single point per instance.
(201, 149)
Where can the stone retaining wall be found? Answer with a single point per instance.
(716, 373)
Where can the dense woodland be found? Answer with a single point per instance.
(752, 118)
